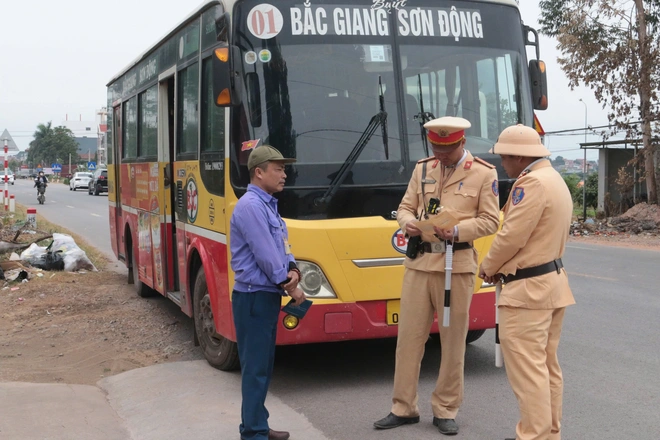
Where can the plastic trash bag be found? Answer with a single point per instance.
(33, 254)
(34, 250)
(48, 261)
(62, 254)
(75, 259)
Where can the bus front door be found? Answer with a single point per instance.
(166, 280)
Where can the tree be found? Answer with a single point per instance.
(559, 160)
(50, 143)
(612, 46)
(591, 191)
(572, 181)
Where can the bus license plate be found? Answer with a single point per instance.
(393, 311)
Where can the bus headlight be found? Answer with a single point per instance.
(313, 282)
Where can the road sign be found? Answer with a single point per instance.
(56, 167)
(91, 166)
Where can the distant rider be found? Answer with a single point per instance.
(41, 178)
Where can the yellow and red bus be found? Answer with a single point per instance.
(343, 88)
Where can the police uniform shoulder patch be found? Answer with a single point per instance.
(517, 195)
(484, 163)
(495, 187)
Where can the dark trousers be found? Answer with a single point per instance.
(255, 318)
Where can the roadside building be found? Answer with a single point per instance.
(619, 183)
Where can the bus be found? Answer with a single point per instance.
(344, 87)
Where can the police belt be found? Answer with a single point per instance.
(441, 247)
(535, 271)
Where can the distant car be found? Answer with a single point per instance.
(10, 177)
(80, 180)
(99, 182)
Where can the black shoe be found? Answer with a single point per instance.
(393, 421)
(446, 426)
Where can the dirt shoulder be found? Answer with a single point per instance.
(79, 327)
(646, 241)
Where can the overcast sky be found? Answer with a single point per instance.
(57, 56)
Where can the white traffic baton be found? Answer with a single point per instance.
(498, 349)
(449, 260)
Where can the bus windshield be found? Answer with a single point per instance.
(312, 77)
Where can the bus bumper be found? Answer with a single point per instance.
(367, 320)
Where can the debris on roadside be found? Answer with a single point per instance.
(641, 219)
(23, 257)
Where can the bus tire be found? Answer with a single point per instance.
(473, 335)
(141, 289)
(220, 352)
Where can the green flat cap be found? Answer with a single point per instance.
(266, 153)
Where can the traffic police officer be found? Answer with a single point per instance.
(467, 188)
(527, 253)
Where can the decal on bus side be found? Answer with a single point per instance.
(399, 241)
(192, 197)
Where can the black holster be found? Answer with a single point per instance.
(413, 247)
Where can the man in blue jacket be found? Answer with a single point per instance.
(265, 270)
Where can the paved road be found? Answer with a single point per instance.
(609, 353)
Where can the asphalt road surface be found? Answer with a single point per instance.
(609, 352)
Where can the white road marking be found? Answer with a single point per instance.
(69, 206)
(591, 276)
(95, 215)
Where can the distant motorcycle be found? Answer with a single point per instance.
(41, 192)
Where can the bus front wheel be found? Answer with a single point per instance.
(473, 335)
(220, 352)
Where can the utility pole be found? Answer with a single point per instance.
(103, 145)
(584, 166)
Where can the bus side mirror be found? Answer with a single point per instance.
(539, 84)
(224, 91)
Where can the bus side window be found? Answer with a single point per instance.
(212, 125)
(130, 129)
(187, 113)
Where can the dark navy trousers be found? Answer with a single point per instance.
(255, 318)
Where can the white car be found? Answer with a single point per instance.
(79, 180)
(10, 177)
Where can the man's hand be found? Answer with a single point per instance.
(412, 230)
(293, 276)
(492, 279)
(298, 295)
(444, 234)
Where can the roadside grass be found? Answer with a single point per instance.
(97, 257)
(578, 212)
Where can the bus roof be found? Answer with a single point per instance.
(198, 10)
(229, 6)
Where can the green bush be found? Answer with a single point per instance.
(592, 190)
(65, 181)
(572, 181)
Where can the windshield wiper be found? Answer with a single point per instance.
(423, 117)
(379, 118)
